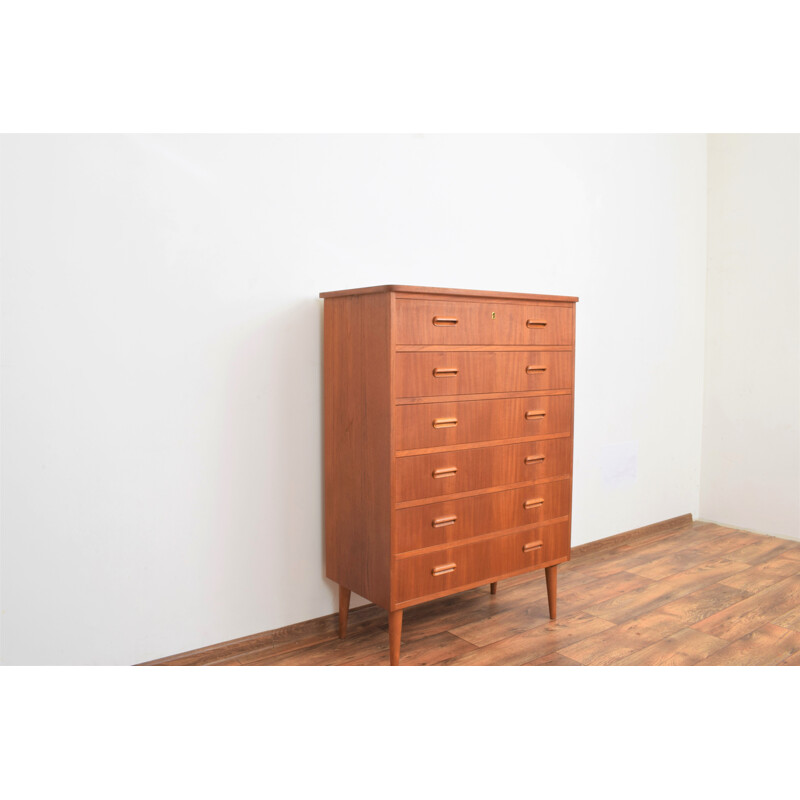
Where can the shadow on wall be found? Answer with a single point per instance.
(296, 455)
(268, 568)
(266, 476)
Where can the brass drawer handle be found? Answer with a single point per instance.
(536, 323)
(535, 503)
(443, 569)
(445, 422)
(443, 522)
(445, 372)
(535, 369)
(534, 459)
(445, 472)
(526, 548)
(445, 322)
(539, 414)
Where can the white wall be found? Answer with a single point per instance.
(751, 430)
(161, 332)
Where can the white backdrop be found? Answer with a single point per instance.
(161, 425)
(751, 425)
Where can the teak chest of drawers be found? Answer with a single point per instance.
(448, 442)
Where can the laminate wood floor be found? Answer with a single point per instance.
(696, 594)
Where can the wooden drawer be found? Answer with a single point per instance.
(456, 422)
(453, 520)
(429, 374)
(459, 322)
(439, 474)
(449, 569)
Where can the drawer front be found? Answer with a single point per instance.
(451, 568)
(439, 474)
(458, 322)
(459, 422)
(455, 520)
(429, 374)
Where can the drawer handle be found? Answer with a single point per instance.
(534, 459)
(443, 522)
(536, 323)
(535, 414)
(445, 372)
(443, 569)
(445, 322)
(445, 472)
(445, 422)
(535, 369)
(535, 503)
(526, 548)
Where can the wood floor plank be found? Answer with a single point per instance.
(553, 660)
(682, 648)
(517, 619)
(698, 605)
(537, 642)
(597, 591)
(419, 624)
(693, 593)
(430, 651)
(791, 619)
(745, 616)
(685, 558)
(792, 552)
(332, 652)
(505, 623)
(604, 564)
(792, 661)
(769, 644)
(614, 644)
(687, 533)
(765, 548)
(648, 598)
(757, 578)
(607, 647)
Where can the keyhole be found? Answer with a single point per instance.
(493, 315)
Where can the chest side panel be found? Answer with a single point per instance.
(358, 443)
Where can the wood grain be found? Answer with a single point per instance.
(481, 468)
(553, 660)
(344, 608)
(476, 627)
(682, 648)
(475, 372)
(449, 293)
(453, 322)
(769, 644)
(430, 526)
(745, 616)
(358, 445)
(481, 421)
(639, 535)
(513, 617)
(644, 600)
(757, 578)
(791, 619)
(481, 561)
(538, 641)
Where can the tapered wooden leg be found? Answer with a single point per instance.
(551, 579)
(395, 626)
(344, 608)
(493, 587)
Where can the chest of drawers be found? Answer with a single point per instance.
(448, 442)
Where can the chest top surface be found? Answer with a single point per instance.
(429, 290)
